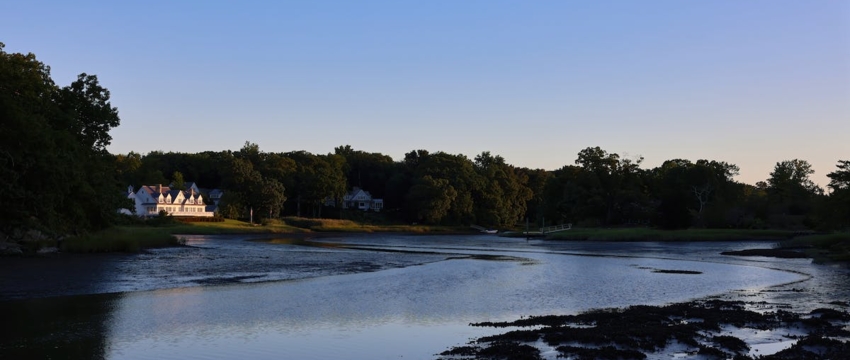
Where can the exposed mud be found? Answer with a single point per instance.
(777, 253)
(636, 331)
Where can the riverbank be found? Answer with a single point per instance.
(649, 234)
(223, 289)
(833, 247)
(135, 238)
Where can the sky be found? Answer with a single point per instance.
(747, 82)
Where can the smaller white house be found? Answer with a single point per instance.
(150, 200)
(361, 199)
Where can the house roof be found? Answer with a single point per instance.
(156, 191)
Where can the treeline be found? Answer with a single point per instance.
(600, 189)
(56, 176)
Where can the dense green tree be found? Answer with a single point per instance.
(460, 174)
(835, 210)
(687, 191)
(840, 179)
(317, 179)
(611, 187)
(177, 181)
(55, 174)
(789, 186)
(536, 183)
(431, 199)
(89, 115)
(368, 171)
(248, 192)
(504, 193)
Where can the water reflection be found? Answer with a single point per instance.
(412, 311)
(71, 327)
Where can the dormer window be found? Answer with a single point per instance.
(160, 200)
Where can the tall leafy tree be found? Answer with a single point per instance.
(56, 173)
(836, 208)
(789, 186)
(431, 199)
(840, 178)
(504, 193)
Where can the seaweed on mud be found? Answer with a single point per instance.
(515, 335)
(602, 353)
(546, 320)
(830, 314)
(813, 347)
(686, 272)
(622, 333)
(730, 343)
(461, 351)
(712, 353)
(509, 350)
(499, 350)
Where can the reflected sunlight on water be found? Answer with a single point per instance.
(410, 311)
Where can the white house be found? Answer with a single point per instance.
(362, 200)
(150, 200)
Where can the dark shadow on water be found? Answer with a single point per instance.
(72, 327)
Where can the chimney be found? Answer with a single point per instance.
(159, 188)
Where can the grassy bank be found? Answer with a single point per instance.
(133, 238)
(120, 239)
(229, 226)
(647, 234)
(290, 225)
(334, 225)
(822, 247)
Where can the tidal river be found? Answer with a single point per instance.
(350, 297)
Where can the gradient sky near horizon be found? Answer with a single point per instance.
(747, 82)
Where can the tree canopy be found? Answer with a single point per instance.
(55, 173)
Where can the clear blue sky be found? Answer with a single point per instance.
(747, 82)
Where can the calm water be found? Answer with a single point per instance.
(361, 297)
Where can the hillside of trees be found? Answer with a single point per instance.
(56, 177)
(599, 189)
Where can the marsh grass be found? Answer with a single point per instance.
(229, 226)
(121, 239)
(647, 234)
(339, 225)
(833, 246)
